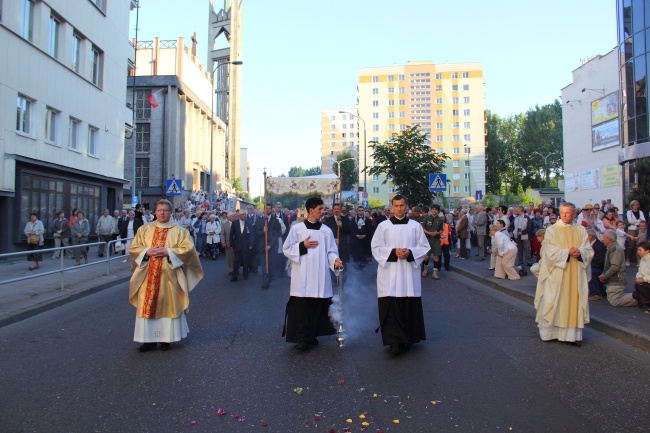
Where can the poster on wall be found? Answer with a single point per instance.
(604, 109)
(590, 179)
(571, 182)
(605, 135)
(610, 175)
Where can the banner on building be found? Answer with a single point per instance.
(611, 175)
(605, 135)
(590, 179)
(571, 182)
(604, 109)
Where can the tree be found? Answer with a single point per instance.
(541, 136)
(407, 161)
(312, 171)
(300, 172)
(348, 169)
(237, 186)
(375, 203)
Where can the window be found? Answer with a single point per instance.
(375, 139)
(391, 127)
(142, 137)
(454, 75)
(465, 74)
(344, 117)
(343, 134)
(391, 102)
(142, 171)
(466, 150)
(438, 125)
(454, 87)
(53, 44)
(375, 91)
(331, 152)
(27, 23)
(438, 76)
(438, 100)
(466, 163)
(439, 138)
(466, 99)
(96, 66)
(391, 78)
(439, 88)
(345, 126)
(466, 125)
(465, 86)
(101, 4)
(333, 118)
(345, 143)
(455, 163)
(333, 135)
(466, 112)
(455, 138)
(466, 176)
(332, 144)
(466, 188)
(375, 127)
(400, 90)
(351, 125)
(440, 151)
(391, 189)
(438, 112)
(23, 114)
(143, 108)
(375, 79)
(93, 137)
(375, 103)
(391, 115)
(402, 127)
(456, 189)
(402, 114)
(391, 90)
(454, 125)
(467, 137)
(456, 176)
(51, 128)
(454, 112)
(375, 177)
(76, 51)
(375, 115)
(402, 102)
(454, 100)
(333, 126)
(73, 133)
(456, 150)
(375, 190)
(401, 78)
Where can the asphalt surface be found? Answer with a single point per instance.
(75, 368)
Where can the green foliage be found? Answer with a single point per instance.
(300, 172)
(641, 190)
(407, 160)
(375, 203)
(349, 171)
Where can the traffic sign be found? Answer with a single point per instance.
(437, 182)
(173, 187)
(134, 200)
(479, 194)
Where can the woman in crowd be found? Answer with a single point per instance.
(445, 241)
(539, 236)
(80, 230)
(610, 219)
(34, 231)
(642, 281)
(505, 252)
(213, 236)
(634, 217)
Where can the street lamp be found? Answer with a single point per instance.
(236, 63)
(545, 165)
(338, 163)
(469, 172)
(365, 190)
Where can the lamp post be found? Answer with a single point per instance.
(545, 165)
(236, 63)
(338, 163)
(469, 172)
(365, 189)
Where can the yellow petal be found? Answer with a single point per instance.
(349, 421)
(374, 396)
(434, 402)
(365, 424)
(395, 421)
(362, 416)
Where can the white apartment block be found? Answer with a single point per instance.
(446, 100)
(339, 133)
(62, 93)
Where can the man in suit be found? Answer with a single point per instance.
(271, 224)
(242, 239)
(341, 229)
(522, 227)
(359, 237)
(481, 223)
(122, 226)
(462, 230)
(597, 289)
(278, 257)
(225, 242)
(256, 223)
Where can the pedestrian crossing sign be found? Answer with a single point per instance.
(173, 187)
(437, 182)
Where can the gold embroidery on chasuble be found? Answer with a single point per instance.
(154, 275)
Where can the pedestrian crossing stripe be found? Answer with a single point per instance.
(173, 188)
(438, 183)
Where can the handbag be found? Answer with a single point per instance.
(34, 240)
(57, 235)
(119, 246)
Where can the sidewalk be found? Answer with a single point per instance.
(628, 324)
(22, 299)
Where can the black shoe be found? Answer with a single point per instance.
(576, 343)
(147, 347)
(100, 255)
(302, 346)
(395, 349)
(246, 277)
(233, 278)
(165, 346)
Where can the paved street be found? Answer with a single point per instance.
(76, 369)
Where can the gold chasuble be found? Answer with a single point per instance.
(160, 286)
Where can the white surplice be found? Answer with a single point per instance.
(401, 278)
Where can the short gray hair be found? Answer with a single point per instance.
(611, 234)
(591, 232)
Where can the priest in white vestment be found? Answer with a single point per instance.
(311, 248)
(165, 269)
(399, 245)
(561, 298)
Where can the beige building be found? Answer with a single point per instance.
(339, 133)
(63, 109)
(176, 135)
(446, 100)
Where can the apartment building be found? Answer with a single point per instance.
(339, 133)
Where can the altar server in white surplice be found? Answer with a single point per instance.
(399, 246)
(311, 248)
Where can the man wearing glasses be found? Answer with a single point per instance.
(165, 269)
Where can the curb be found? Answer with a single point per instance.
(627, 336)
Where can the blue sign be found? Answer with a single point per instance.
(364, 203)
(479, 194)
(173, 187)
(134, 200)
(437, 182)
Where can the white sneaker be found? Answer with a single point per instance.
(435, 276)
(124, 261)
(627, 263)
(425, 272)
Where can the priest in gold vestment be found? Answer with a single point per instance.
(561, 298)
(165, 269)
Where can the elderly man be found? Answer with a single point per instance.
(481, 224)
(521, 234)
(225, 242)
(561, 298)
(613, 275)
(105, 226)
(597, 290)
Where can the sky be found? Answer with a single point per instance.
(303, 56)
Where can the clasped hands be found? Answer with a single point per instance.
(402, 253)
(157, 252)
(574, 252)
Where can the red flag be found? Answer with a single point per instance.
(152, 100)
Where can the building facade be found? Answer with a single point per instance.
(339, 132)
(590, 133)
(633, 52)
(445, 100)
(63, 111)
(177, 136)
